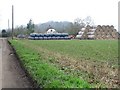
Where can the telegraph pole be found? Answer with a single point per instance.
(12, 20)
(8, 28)
(8, 25)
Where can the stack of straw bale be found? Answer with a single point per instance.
(100, 32)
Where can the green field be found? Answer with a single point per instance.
(70, 63)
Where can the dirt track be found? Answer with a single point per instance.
(11, 74)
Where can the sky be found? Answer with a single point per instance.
(103, 12)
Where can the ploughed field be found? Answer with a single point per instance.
(70, 63)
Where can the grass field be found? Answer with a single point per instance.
(70, 63)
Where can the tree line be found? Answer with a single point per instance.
(63, 26)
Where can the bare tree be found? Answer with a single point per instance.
(77, 25)
(89, 21)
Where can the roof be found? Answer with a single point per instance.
(51, 31)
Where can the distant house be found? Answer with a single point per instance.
(51, 31)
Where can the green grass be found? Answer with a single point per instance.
(40, 59)
(44, 73)
(101, 50)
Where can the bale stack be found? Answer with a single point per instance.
(106, 32)
(101, 32)
(83, 33)
(91, 34)
(115, 35)
(103, 27)
(80, 34)
(103, 35)
(98, 32)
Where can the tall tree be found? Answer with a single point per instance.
(30, 27)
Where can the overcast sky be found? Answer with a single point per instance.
(103, 12)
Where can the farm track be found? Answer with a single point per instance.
(0, 64)
(11, 73)
(96, 72)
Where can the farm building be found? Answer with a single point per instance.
(51, 34)
(51, 31)
(100, 32)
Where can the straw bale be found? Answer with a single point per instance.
(112, 27)
(85, 36)
(95, 34)
(92, 30)
(104, 27)
(78, 36)
(111, 30)
(107, 27)
(106, 32)
(114, 30)
(90, 33)
(117, 34)
(83, 29)
(109, 37)
(99, 33)
(99, 27)
(80, 33)
(103, 33)
(97, 30)
(101, 30)
(104, 37)
(91, 36)
(86, 30)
